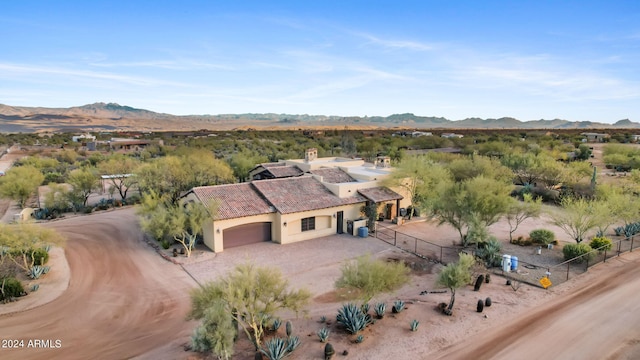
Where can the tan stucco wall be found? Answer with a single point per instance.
(215, 239)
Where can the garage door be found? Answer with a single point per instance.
(246, 234)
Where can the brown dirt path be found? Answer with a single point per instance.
(122, 301)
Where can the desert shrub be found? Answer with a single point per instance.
(542, 236)
(571, 251)
(40, 256)
(522, 241)
(490, 252)
(601, 244)
(371, 276)
(165, 244)
(11, 287)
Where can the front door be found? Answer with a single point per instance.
(340, 219)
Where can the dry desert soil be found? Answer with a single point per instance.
(118, 299)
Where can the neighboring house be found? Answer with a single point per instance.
(596, 137)
(420, 134)
(451, 135)
(83, 138)
(635, 138)
(326, 198)
(132, 144)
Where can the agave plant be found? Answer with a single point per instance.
(352, 317)
(414, 325)
(275, 349)
(37, 270)
(276, 324)
(292, 343)
(380, 308)
(359, 338)
(323, 319)
(398, 306)
(365, 307)
(323, 334)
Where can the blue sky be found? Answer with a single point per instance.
(574, 60)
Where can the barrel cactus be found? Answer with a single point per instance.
(480, 306)
(328, 351)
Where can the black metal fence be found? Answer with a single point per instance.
(531, 273)
(419, 247)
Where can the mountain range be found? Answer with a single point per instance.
(114, 117)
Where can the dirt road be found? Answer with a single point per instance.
(597, 321)
(123, 300)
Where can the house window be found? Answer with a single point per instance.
(308, 224)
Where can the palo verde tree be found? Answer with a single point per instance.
(119, 170)
(20, 183)
(456, 275)
(173, 175)
(250, 296)
(181, 222)
(23, 240)
(481, 199)
(84, 182)
(419, 177)
(579, 216)
(519, 211)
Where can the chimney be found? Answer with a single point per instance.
(310, 154)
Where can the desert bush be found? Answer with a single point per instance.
(601, 244)
(490, 253)
(371, 276)
(542, 236)
(522, 241)
(581, 250)
(40, 256)
(10, 287)
(165, 244)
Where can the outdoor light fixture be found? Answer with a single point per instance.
(334, 216)
(218, 230)
(284, 223)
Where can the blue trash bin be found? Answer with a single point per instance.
(514, 263)
(363, 231)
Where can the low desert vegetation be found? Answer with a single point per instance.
(366, 277)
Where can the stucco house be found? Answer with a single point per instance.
(325, 198)
(595, 137)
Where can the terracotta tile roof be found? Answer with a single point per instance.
(380, 194)
(303, 193)
(234, 200)
(285, 171)
(333, 175)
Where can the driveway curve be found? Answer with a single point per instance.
(123, 300)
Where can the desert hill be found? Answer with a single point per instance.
(115, 117)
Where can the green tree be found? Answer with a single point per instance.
(216, 333)
(23, 241)
(420, 178)
(84, 182)
(173, 175)
(369, 277)
(481, 198)
(20, 183)
(119, 169)
(182, 222)
(578, 217)
(456, 275)
(250, 296)
(243, 162)
(519, 211)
